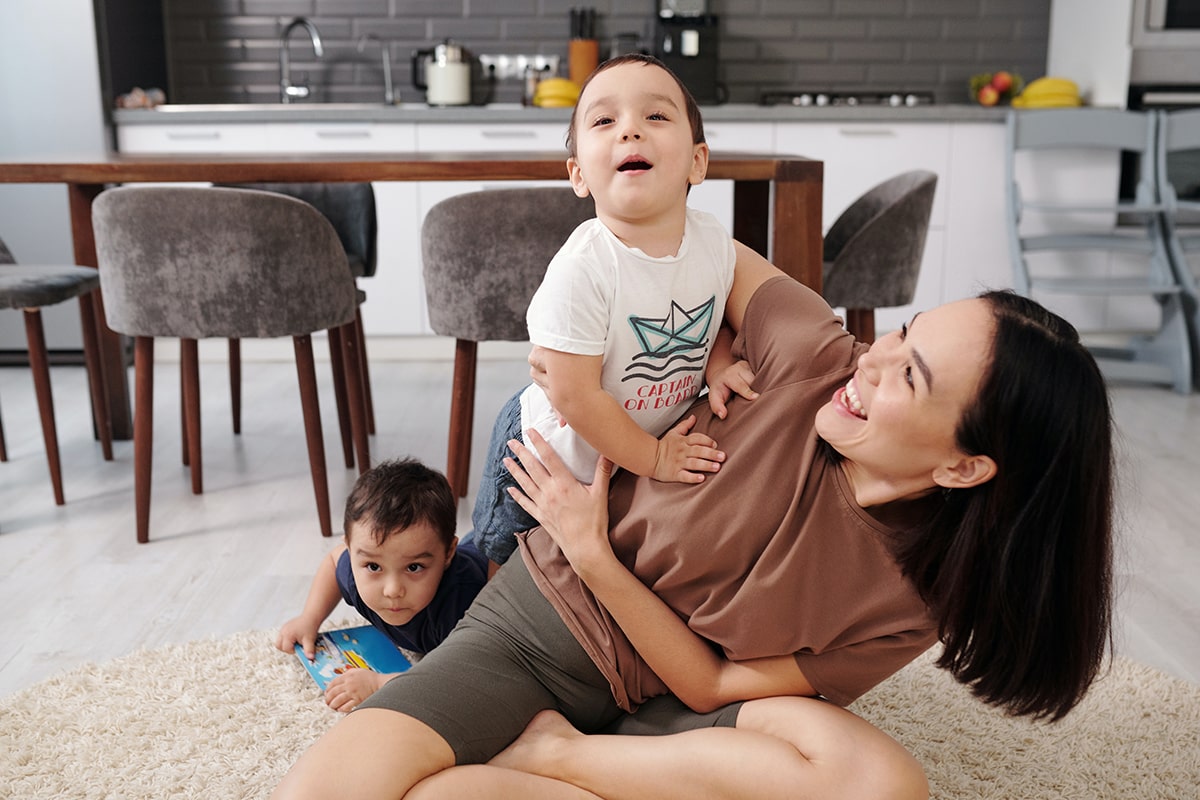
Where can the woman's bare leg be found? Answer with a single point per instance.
(373, 753)
(494, 783)
(789, 747)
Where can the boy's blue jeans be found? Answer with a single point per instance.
(497, 517)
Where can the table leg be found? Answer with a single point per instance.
(112, 356)
(789, 230)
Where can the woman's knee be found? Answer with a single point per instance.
(842, 754)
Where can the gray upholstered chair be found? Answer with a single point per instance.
(227, 263)
(350, 208)
(873, 251)
(484, 255)
(30, 288)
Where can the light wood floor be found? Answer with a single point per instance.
(75, 587)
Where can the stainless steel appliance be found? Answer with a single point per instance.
(444, 74)
(1165, 36)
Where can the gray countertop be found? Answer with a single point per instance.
(421, 113)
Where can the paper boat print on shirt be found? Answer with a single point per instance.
(675, 343)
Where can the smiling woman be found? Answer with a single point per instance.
(649, 608)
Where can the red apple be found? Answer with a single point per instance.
(988, 96)
(1002, 81)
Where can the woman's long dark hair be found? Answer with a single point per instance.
(1019, 569)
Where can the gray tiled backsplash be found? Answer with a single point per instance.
(226, 50)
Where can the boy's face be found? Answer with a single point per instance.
(634, 149)
(398, 578)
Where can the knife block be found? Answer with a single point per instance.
(583, 56)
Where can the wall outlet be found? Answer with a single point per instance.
(505, 67)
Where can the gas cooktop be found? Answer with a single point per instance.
(896, 99)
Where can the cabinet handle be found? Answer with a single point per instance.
(343, 134)
(193, 136)
(867, 131)
(502, 134)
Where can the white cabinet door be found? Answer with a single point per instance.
(220, 138)
(858, 156)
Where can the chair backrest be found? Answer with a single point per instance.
(1083, 129)
(349, 207)
(213, 262)
(6, 256)
(485, 253)
(1179, 131)
(873, 250)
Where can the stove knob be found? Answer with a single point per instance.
(895, 100)
(822, 99)
(911, 100)
(804, 99)
(851, 100)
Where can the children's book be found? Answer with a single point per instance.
(364, 647)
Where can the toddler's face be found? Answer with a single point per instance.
(399, 577)
(634, 148)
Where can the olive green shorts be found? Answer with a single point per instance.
(510, 657)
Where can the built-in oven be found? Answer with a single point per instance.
(1183, 166)
(1165, 40)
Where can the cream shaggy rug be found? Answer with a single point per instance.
(226, 718)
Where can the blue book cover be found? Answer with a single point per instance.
(363, 647)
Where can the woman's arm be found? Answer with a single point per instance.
(576, 517)
(750, 272)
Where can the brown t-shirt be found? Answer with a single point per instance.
(771, 555)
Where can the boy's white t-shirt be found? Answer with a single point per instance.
(654, 321)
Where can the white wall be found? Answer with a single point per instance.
(49, 106)
(1089, 43)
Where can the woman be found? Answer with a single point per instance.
(953, 483)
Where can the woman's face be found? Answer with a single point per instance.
(894, 421)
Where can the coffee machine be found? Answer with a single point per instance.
(688, 45)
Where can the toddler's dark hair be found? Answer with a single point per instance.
(395, 495)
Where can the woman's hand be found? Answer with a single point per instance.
(573, 514)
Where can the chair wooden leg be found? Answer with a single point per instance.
(462, 414)
(143, 431)
(354, 397)
(40, 366)
(368, 401)
(861, 323)
(235, 383)
(307, 376)
(189, 368)
(338, 367)
(185, 452)
(3, 448)
(101, 414)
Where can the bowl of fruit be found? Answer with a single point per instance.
(995, 88)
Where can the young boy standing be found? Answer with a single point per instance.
(630, 307)
(400, 566)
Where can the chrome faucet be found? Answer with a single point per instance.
(385, 53)
(287, 90)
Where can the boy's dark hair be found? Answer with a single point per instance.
(689, 103)
(395, 495)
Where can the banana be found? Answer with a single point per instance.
(556, 93)
(1049, 92)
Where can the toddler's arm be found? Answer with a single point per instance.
(572, 382)
(323, 597)
(725, 376)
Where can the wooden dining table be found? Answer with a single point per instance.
(776, 203)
